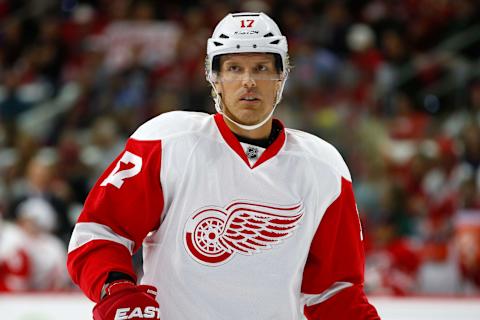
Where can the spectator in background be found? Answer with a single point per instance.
(38, 182)
(104, 143)
(14, 262)
(467, 235)
(31, 258)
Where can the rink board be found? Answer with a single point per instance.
(77, 307)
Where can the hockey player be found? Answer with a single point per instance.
(239, 217)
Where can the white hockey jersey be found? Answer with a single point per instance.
(229, 231)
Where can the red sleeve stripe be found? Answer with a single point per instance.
(85, 232)
(313, 299)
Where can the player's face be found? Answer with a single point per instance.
(248, 84)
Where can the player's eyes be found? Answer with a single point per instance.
(233, 68)
(262, 67)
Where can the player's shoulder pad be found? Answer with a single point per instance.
(170, 124)
(320, 150)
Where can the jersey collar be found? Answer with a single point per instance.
(233, 142)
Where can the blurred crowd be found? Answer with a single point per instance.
(395, 85)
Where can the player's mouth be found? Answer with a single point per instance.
(249, 99)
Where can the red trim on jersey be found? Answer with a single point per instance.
(274, 148)
(349, 304)
(230, 138)
(233, 142)
(336, 255)
(134, 209)
(90, 264)
(131, 210)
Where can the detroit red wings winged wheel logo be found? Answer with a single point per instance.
(214, 235)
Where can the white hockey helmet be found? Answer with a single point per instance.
(246, 32)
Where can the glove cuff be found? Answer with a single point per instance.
(115, 286)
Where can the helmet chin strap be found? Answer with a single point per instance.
(218, 106)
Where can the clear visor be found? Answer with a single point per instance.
(245, 76)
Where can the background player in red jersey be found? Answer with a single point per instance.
(239, 216)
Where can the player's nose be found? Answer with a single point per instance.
(248, 80)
